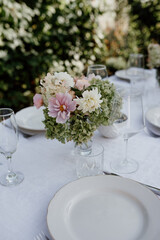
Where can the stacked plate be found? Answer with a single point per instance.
(122, 74)
(30, 120)
(152, 120)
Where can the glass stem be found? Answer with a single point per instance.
(9, 163)
(126, 151)
(11, 175)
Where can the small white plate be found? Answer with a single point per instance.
(104, 207)
(152, 120)
(123, 75)
(30, 132)
(30, 120)
(114, 130)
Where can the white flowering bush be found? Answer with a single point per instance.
(37, 36)
(76, 107)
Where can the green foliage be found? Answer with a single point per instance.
(77, 129)
(63, 35)
(143, 18)
(119, 40)
(145, 21)
(102, 115)
(41, 36)
(15, 62)
(53, 129)
(81, 130)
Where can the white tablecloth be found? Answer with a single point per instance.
(48, 165)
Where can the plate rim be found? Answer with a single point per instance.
(28, 128)
(104, 176)
(150, 109)
(127, 78)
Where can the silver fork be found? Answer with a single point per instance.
(41, 236)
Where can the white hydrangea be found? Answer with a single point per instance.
(90, 101)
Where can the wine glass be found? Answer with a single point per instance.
(8, 145)
(135, 71)
(98, 69)
(133, 110)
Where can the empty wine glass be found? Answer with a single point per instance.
(8, 145)
(98, 69)
(135, 71)
(132, 108)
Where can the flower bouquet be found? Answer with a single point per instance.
(76, 107)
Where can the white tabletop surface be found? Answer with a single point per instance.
(48, 165)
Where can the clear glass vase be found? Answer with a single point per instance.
(84, 148)
(89, 160)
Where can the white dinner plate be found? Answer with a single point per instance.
(123, 75)
(104, 207)
(152, 120)
(29, 120)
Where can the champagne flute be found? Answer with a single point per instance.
(132, 108)
(8, 145)
(98, 69)
(135, 71)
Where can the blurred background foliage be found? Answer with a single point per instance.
(66, 35)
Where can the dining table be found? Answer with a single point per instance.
(48, 165)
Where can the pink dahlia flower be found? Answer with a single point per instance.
(61, 106)
(38, 100)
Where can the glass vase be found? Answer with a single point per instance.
(89, 160)
(84, 148)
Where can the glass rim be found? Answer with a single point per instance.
(97, 67)
(136, 55)
(6, 114)
(97, 154)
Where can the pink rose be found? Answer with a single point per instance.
(38, 100)
(82, 83)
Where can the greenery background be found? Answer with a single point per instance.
(63, 35)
